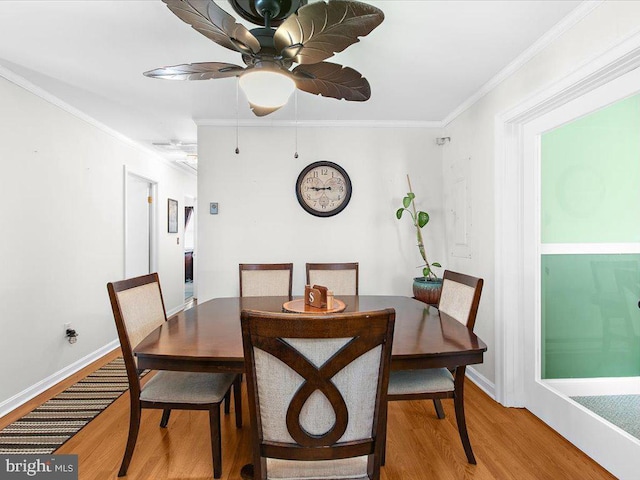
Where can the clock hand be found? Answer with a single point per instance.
(317, 189)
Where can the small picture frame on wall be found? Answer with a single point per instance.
(172, 215)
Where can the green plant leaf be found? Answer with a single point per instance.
(411, 195)
(423, 219)
(406, 201)
(399, 213)
(426, 271)
(436, 264)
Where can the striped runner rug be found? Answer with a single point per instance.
(46, 428)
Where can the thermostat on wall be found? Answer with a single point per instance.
(213, 208)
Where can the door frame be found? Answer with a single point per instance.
(153, 220)
(516, 248)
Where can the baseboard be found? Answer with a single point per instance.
(482, 382)
(52, 380)
(173, 311)
(582, 387)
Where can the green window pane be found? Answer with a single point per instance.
(590, 172)
(590, 316)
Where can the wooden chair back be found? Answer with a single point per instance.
(266, 279)
(317, 391)
(138, 308)
(460, 297)
(341, 278)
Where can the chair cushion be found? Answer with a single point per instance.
(142, 310)
(343, 469)
(259, 283)
(456, 300)
(187, 387)
(357, 383)
(340, 282)
(427, 380)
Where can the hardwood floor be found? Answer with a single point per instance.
(508, 444)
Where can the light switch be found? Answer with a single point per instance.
(213, 208)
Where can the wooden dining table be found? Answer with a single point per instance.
(208, 337)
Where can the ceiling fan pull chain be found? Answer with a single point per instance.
(237, 116)
(295, 155)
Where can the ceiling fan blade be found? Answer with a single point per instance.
(332, 80)
(196, 71)
(262, 111)
(321, 29)
(213, 22)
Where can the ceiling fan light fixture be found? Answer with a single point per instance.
(267, 88)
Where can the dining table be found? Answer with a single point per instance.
(208, 337)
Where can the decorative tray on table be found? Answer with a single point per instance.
(298, 306)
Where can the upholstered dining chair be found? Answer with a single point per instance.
(265, 279)
(138, 308)
(316, 387)
(459, 299)
(341, 278)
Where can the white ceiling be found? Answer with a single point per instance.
(422, 62)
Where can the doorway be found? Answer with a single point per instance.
(190, 223)
(554, 270)
(589, 272)
(139, 245)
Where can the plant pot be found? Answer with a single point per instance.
(427, 291)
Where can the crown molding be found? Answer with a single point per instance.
(22, 82)
(319, 123)
(543, 42)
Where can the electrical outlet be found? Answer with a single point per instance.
(67, 326)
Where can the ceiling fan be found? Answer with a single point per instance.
(176, 146)
(306, 34)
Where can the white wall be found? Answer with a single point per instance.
(62, 185)
(472, 135)
(260, 220)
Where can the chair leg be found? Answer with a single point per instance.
(134, 428)
(227, 402)
(237, 399)
(383, 439)
(437, 404)
(216, 449)
(458, 402)
(165, 417)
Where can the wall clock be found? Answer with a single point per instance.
(323, 189)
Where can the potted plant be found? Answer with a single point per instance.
(428, 287)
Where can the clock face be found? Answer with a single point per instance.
(323, 189)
